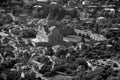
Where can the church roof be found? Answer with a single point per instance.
(53, 28)
(50, 17)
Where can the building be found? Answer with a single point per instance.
(55, 36)
(50, 20)
(48, 37)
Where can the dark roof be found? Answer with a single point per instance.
(50, 17)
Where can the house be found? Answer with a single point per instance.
(14, 1)
(29, 2)
(42, 0)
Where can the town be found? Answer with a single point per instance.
(59, 40)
